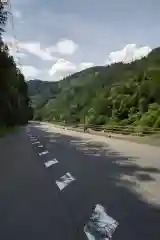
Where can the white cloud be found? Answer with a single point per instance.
(29, 71)
(128, 54)
(17, 14)
(9, 40)
(64, 47)
(32, 47)
(18, 57)
(13, 48)
(142, 52)
(67, 47)
(85, 65)
(17, 54)
(21, 55)
(62, 67)
(35, 48)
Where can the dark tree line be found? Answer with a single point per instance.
(14, 101)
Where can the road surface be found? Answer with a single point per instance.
(37, 202)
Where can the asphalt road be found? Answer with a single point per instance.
(33, 204)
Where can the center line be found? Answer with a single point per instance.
(50, 163)
(36, 142)
(33, 139)
(65, 180)
(43, 153)
(100, 224)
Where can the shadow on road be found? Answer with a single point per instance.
(99, 172)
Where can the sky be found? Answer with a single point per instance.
(57, 38)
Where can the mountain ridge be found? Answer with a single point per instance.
(121, 93)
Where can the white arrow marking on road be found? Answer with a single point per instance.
(36, 142)
(43, 153)
(65, 180)
(50, 163)
(100, 226)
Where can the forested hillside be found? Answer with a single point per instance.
(14, 101)
(119, 94)
(40, 92)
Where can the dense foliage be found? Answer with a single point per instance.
(14, 101)
(41, 92)
(120, 94)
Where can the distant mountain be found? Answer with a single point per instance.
(119, 93)
(41, 91)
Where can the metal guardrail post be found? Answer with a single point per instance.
(115, 129)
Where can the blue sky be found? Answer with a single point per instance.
(56, 38)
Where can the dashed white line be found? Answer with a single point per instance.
(33, 139)
(43, 153)
(37, 142)
(65, 180)
(50, 163)
(100, 225)
(40, 146)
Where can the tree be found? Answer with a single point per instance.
(14, 102)
(116, 94)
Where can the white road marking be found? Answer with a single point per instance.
(50, 163)
(43, 153)
(100, 226)
(33, 139)
(65, 180)
(37, 142)
(40, 146)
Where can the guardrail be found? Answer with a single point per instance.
(125, 130)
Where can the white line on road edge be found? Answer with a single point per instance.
(100, 226)
(43, 153)
(50, 163)
(35, 142)
(65, 180)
